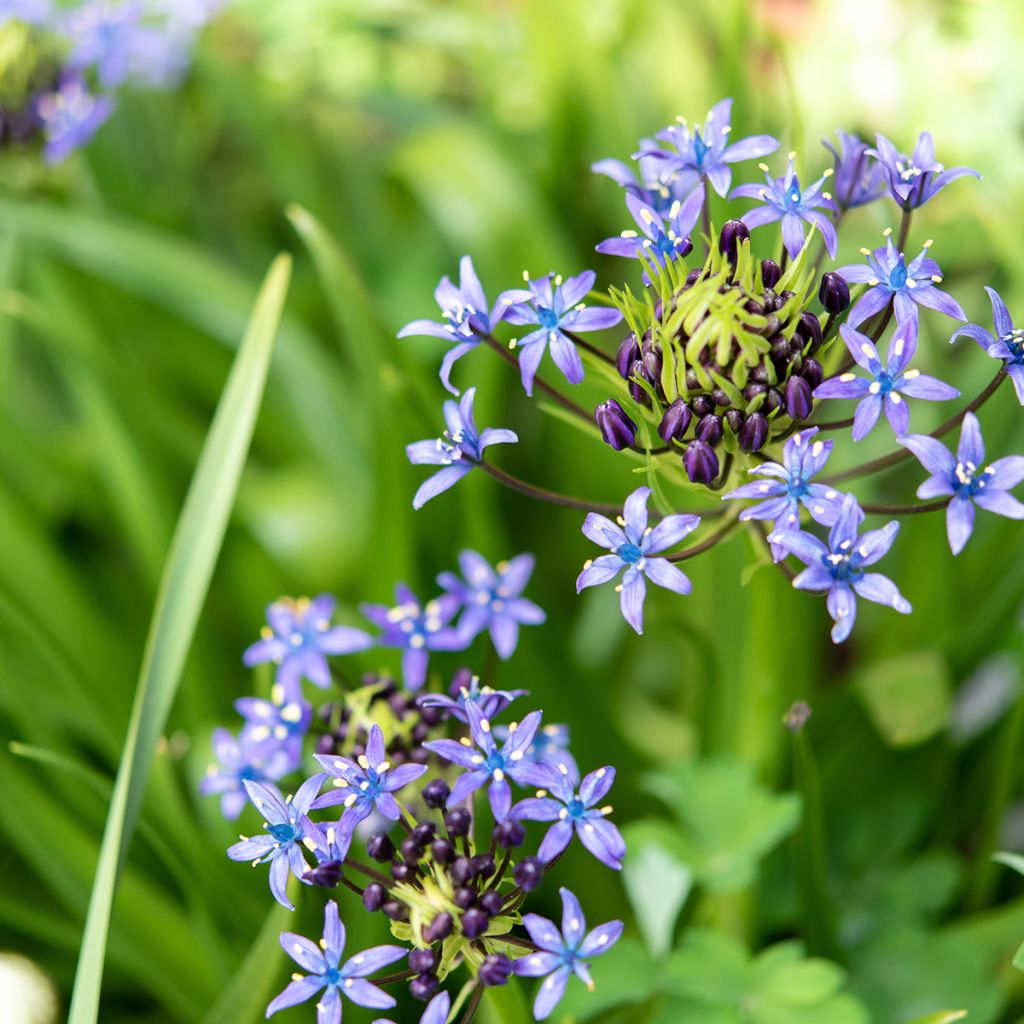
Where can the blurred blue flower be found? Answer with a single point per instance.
(1007, 344)
(240, 761)
(466, 318)
(417, 630)
(575, 812)
(966, 480)
(564, 952)
(859, 178)
(276, 724)
(890, 278)
(703, 153)
(555, 306)
(885, 387)
(915, 179)
(491, 598)
(288, 830)
(70, 116)
(837, 569)
(783, 200)
(322, 961)
(365, 784)
(486, 764)
(654, 181)
(458, 450)
(631, 547)
(790, 487)
(550, 746)
(297, 638)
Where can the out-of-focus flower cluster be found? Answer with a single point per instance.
(386, 803)
(61, 65)
(728, 358)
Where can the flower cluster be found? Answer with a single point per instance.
(395, 773)
(62, 64)
(728, 358)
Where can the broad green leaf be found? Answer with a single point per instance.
(729, 820)
(942, 1017)
(186, 577)
(656, 880)
(1018, 958)
(908, 697)
(1011, 860)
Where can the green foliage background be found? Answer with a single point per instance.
(378, 141)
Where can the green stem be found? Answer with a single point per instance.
(901, 242)
(551, 497)
(705, 545)
(587, 347)
(474, 1003)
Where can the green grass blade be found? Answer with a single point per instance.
(190, 562)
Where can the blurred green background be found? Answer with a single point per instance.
(415, 132)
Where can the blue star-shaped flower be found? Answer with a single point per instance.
(563, 953)
(1007, 344)
(322, 961)
(631, 547)
(365, 784)
(288, 830)
(783, 200)
(575, 812)
(659, 241)
(70, 116)
(555, 306)
(915, 179)
(907, 285)
(276, 725)
(490, 701)
(466, 318)
(859, 178)
(298, 636)
(487, 764)
(885, 387)
(417, 630)
(492, 598)
(239, 761)
(700, 153)
(790, 487)
(458, 450)
(654, 182)
(838, 568)
(966, 480)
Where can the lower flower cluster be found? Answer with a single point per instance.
(394, 814)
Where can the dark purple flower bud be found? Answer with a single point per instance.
(403, 871)
(733, 232)
(734, 420)
(720, 397)
(436, 793)
(751, 391)
(760, 375)
(495, 969)
(709, 430)
(675, 421)
(692, 277)
(812, 372)
(418, 755)
(509, 833)
(412, 849)
(442, 851)
(483, 865)
(702, 405)
(438, 929)
(420, 731)
(430, 716)
(461, 870)
(327, 874)
(772, 400)
(834, 293)
(457, 822)
(528, 874)
(779, 352)
(754, 435)
(422, 960)
(617, 429)
(380, 847)
(772, 303)
(798, 398)
(692, 384)
(464, 897)
(423, 986)
(325, 744)
(394, 909)
(700, 462)
(374, 896)
(652, 362)
(475, 922)
(770, 273)
(628, 354)
(808, 327)
(636, 392)
(492, 901)
(424, 832)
